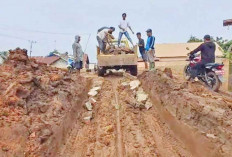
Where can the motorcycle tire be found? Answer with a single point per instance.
(187, 74)
(216, 84)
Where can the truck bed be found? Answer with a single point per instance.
(119, 60)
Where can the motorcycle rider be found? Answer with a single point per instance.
(207, 55)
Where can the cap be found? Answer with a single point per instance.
(149, 30)
(207, 37)
(112, 28)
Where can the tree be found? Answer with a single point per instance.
(225, 45)
(194, 39)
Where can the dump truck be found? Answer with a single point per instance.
(121, 60)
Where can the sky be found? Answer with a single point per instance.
(54, 23)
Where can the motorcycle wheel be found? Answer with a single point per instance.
(187, 74)
(213, 81)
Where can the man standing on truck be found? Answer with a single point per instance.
(124, 24)
(141, 45)
(77, 54)
(103, 36)
(150, 49)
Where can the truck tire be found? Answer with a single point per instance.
(133, 70)
(101, 71)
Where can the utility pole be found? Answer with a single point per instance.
(229, 23)
(55, 44)
(31, 44)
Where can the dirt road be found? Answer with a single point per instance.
(49, 112)
(119, 129)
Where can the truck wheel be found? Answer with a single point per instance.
(134, 70)
(101, 71)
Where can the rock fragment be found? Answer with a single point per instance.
(92, 93)
(134, 84)
(92, 101)
(148, 104)
(141, 96)
(88, 106)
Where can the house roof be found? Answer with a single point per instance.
(179, 50)
(46, 60)
(227, 22)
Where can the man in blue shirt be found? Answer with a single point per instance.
(150, 49)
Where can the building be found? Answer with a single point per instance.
(59, 61)
(3, 56)
(54, 61)
(176, 53)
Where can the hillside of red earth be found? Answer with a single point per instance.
(202, 119)
(38, 105)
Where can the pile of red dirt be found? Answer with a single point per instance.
(37, 105)
(194, 105)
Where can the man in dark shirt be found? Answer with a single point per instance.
(141, 45)
(207, 55)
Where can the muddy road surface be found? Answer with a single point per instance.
(48, 112)
(121, 129)
(175, 119)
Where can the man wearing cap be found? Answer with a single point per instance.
(124, 24)
(150, 49)
(103, 35)
(207, 55)
(77, 53)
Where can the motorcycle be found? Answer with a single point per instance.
(211, 75)
(70, 66)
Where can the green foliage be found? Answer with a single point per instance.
(194, 39)
(225, 45)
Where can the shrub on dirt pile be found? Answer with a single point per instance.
(35, 98)
(193, 104)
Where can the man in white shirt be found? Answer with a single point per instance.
(77, 53)
(124, 24)
(102, 36)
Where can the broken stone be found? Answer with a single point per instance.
(134, 84)
(141, 96)
(92, 101)
(211, 136)
(148, 105)
(88, 106)
(125, 84)
(88, 115)
(92, 93)
(96, 88)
